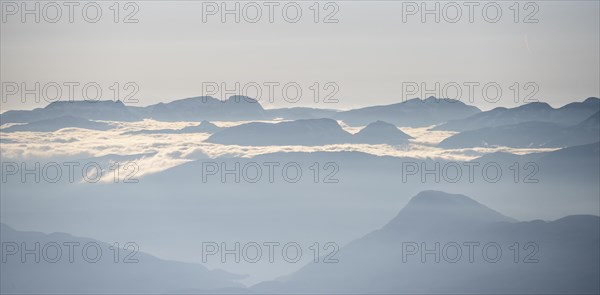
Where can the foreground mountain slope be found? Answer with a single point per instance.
(142, 273)
(354, 193)
(554, 257)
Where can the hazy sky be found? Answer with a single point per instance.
(369, 53)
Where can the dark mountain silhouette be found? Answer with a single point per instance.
(411, 113)
(50, 125)
(567, 115)
(554, 257)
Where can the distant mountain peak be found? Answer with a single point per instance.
(299, 132)
(241, 98)
(536, 105)
(325, 121)
(108, 103)
(433, 197)
(235, 108)
(436, 209)
(205, 126)
(196, 100)
(430, 99)
(380, 123)
(380, 132)
(570, 114)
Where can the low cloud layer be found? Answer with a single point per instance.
(163, 151)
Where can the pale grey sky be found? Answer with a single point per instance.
(369, 53)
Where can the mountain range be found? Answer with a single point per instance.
(90, 110)
(567, 115)
(364, 192)
(411, 113)
(449, 114)
(235, 108)
(437, 243)
(531, 134)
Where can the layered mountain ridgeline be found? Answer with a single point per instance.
(438, 243)
(568, 115)
(411, 113)
(133, 272)
(414, 112)
(533, 134)
(54, 124)
(235, 108)
(364, 197)
(426, 249)
(451, 114)
(90, 110)
(190, 109)
(308, 132)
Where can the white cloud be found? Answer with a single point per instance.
(170, 150)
